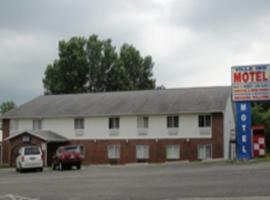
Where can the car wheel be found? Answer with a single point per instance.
(78, 167)
(41, 169)
(60, 166)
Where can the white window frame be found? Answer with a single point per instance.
(37, 124)
(113, 151)
(114, 125)
(204, 125)
(79, 125)
(171, 149)
(205, 128)
(142, 151)
(142, 125)
(14, 125)
(204, 157)
(173, 125)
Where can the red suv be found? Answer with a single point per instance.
(66, 157)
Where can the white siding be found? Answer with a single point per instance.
(98, 128)
(25, 124)
(229, 124)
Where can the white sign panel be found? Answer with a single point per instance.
(251, 83)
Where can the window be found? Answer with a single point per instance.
(14, 125)
(37, 124)
(172, 121)
(142, 122)
(114, 123)
(204, 151)
(173, 152)
(142, 151)
(113, 151)
(204, 121)
(79, 123)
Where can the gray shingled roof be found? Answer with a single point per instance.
(168, 101)
(47, 136)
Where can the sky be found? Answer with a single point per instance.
(192, 42)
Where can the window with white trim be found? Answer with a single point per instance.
(14, 125)
(142, 122)
(114, 123)
(78, 123)
(113, 151)
(204, 151)
(142, 125)
(37, 124)
(142, 151)
(172, 121)
(204, 121)
(173, 152)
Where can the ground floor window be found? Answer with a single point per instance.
(204, 151)
(113, 151)
(142, 151)
(173, 152)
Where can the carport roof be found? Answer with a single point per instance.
(150, 102)
(47, 136)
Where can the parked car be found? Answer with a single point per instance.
(29, 157)
(66, 157)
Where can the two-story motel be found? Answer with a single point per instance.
(125, 127)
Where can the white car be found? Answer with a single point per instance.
(29, 157)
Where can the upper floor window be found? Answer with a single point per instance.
(142, 122)
(172, 122)
(204, 121)
(14, 125)
(79, 123)
(114, 123)
(37, 124)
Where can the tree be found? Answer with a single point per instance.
(261, 115)
(139, 69)
(94, 65)
(68, 73)
(7, 106)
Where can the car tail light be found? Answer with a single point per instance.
(42, 156)
(22, 159)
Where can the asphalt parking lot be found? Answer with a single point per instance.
(142, 181)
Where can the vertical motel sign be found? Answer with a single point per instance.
(249, 83)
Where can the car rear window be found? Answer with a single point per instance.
(71, 149)
(31, 151)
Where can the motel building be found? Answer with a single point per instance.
(125, 127)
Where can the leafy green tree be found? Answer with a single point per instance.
(93, 65)
(68, 73)
(7, 106)
(139, 69)
(261, 116)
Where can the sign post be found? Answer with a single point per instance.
(249, 83)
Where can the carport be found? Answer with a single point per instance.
(47, 140)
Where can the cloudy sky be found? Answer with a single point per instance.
(192, 42)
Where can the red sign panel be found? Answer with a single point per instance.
(251, 83)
